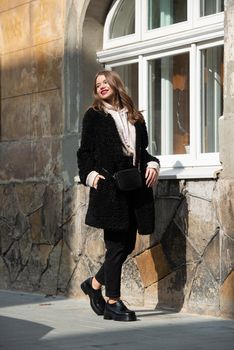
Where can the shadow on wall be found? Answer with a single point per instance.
(170, 239)
(41, 113)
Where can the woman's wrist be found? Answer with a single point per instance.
(95, 181)
(153, 165)
(91, 177)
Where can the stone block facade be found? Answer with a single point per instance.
(187, 264)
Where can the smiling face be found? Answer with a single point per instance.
(103, 89)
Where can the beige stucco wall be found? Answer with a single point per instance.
(32, 120)
(32, 137)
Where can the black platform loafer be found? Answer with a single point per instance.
(97, 302)
(118, 312)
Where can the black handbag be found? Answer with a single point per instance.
(128, 179)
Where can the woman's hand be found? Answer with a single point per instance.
(151, 176)
(96, 179)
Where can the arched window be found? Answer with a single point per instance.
(122, 23)
(170, 55)
(123, 20)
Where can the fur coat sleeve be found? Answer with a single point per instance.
(85, 154)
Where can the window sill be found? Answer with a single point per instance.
(201, 172)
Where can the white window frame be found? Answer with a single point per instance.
(167, 161)
(178, 38)
(202, 157)
(200, 21)
(166, 30)
(124, 63)
(126, 39)
(194, 23)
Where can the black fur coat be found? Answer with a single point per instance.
(101, 149)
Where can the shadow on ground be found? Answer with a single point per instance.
(208, 335)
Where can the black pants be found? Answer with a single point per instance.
(119, 244)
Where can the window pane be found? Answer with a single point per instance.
(123, 22)
(212, 97)
(165, 12)
(209, 7)
(169, 104)
(129, 75)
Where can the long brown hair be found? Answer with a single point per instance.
(121, 98)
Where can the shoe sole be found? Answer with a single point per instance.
(126, 318)
(86, 289)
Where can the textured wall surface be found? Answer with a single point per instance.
(31, 89)
(187, 264)
(183, 265)
(225, 195)
(32, 143)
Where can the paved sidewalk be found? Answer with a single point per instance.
(33, 322)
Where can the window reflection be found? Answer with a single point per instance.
(123, 22)
(165, 12)
(129, 75)
(211, 97)
(169, 104)
(209, 7)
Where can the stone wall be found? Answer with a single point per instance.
(49, 248)
(187, 261)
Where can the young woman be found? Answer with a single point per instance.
(114, 137)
